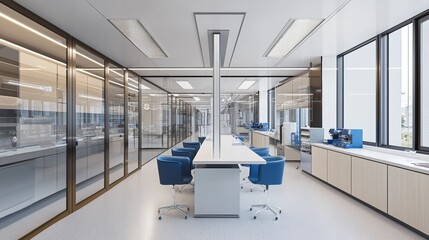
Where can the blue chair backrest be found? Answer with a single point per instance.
(184, 152)
(194, 145)
(272, 172)
(201, 139)
(263, 152)
(241, 138)
(173, 169)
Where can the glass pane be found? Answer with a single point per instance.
(360, 91)
(154, 139)
(400, 84)
(32, 124)
(116, 123)
(133, 122)
(89, 123)
(424, 87)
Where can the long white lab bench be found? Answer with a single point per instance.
(217, 181)
(385, 179)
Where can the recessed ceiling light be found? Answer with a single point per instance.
(197, 99)
(134, 30)
(144, 87)
(184, 84)
(293, 33)
(246, 84)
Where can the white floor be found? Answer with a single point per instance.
(310, 210)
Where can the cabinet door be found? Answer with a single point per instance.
(408, 196)
(340, 171)
(319, 163)
(369, 182)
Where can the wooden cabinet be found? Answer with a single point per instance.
(340, 171)
(369, 182)
(260, 140)
(319, 163)
(408, 196)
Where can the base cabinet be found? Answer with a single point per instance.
(340, 171)
(319, 163)
(369, 182)
(408, 196)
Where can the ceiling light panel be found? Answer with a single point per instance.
(294, 32)
(197, 99)
(134, 30)
(246, 85)
(184, 84)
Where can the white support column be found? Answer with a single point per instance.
(216, 96)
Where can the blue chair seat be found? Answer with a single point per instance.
(194, 145)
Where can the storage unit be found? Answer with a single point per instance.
(340, 171)
(320, 163)
(369, 182)
(309, 136)
(260, 140)
(408, 196)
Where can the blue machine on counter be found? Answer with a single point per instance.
(346, 138)
(260, 126)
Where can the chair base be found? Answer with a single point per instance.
(266, 207)
(177, 207)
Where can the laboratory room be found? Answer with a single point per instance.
(170, 120)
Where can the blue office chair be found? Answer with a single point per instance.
(174, 171)
(263, 152)
(268, 174)
(201, 139)
(194, 145)
(184, 152)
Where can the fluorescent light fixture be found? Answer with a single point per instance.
(175, 94)
(91, 97)
(137, 34)
(132, 85)
(265, 69)
(144, 87)
(246, 84)
(90, 74)
(32, 30)
(30, 85)
(197, 99)
(184, 84)
(294, 32)
(171, 69)
(296, 94)
(132, 80)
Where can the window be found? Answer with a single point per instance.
(359, 83)
(424, 83)
(398, 82)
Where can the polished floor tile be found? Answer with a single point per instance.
(310, 210)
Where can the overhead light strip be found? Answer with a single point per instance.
(184, 84)
(222, 69)
(197, 99)
(292, 34)
(246, 84)
(137, 34)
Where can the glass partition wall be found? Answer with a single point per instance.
(90, 123)
(33, 124)
(133, 122)
(72, 124)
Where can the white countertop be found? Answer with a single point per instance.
(267, 133)
(230, 153)
(386, 156)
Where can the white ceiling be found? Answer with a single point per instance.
(174, 26)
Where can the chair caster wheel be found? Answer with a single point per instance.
(280, 211)
(241, 187)
(251, 190)
(159, 217)
(250, 209)
(186, 217)
(254, 217)
(276, 218)
(188, 209)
